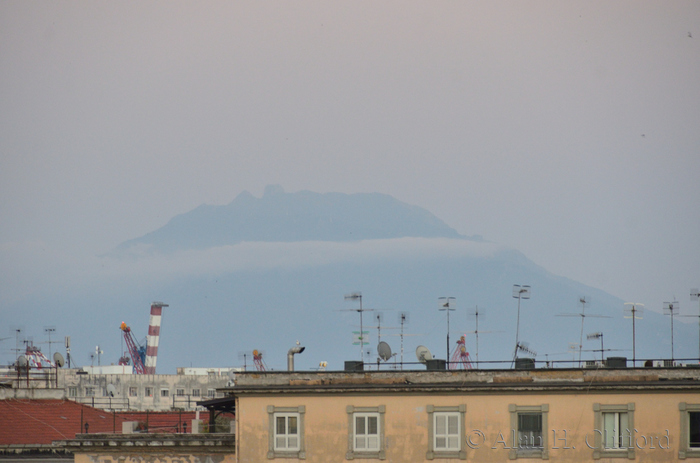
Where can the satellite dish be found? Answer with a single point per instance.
(423, 354)
(22, 361)
(384, 351)
(231, 374)
(111, 390)
(58, 359)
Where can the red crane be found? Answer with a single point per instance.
(135, 350)
(460, 357)
(258, 359)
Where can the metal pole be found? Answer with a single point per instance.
(517, 334)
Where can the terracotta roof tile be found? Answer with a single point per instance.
(29, 421)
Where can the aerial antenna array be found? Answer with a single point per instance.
(634, 310)
(519, 292)
(695, 296)
(583, 300)
(446, 306)
(671, 308)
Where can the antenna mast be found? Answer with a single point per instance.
(445, 306)
(353, 297)
(519, 292)
(635, 307)
(403, 319)
(694, 296)
(671, 308)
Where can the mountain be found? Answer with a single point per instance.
(262, 273)
(289, 217)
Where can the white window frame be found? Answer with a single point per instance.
(196, 393)
(148, 391)
(133, 391)
(365, 412)
(165, 392)
(528, 452)
(273, 451)
(685, 450)
(436, 413)
(286, 435)
(370, 440)
(624, 449)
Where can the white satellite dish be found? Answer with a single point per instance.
(384, 351)
(111, 390)
(58, 359)
(423, 354)
(22, 361)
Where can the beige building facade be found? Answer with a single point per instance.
(650, 415)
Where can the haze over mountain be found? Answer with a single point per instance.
(262, 273)
(301, 216)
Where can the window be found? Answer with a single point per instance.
(286, 432)
(211, 392)
(196, 393)
(446, 437)
(180, 392)
(529, 423)
(133, 391)
(612, 425)
(366, 432)
(73, 391)
(690, 430)
(148, 392)
(90, 391)
(164, 392)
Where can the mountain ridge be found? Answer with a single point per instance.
(289, 217)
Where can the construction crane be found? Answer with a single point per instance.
(144, 358)
(258, 360)
(136, 350)
(460, 357)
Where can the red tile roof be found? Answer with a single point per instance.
(29, 421)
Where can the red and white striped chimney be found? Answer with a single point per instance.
(153, 337)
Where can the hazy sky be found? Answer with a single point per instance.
(568, 130)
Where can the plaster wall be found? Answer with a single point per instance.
(570, 422)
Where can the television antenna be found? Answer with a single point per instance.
(598, 335)
(583, 300)
(361, 338)
(695, 296)
(245, 355)
(671, 308)
(445, 305)
(17, 330)
(519, 292)
(48, 330)
(635, 312)
(476, 313)
(423, 354)
(524, 347)
(403, 319)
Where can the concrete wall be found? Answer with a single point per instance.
(122, 385)
(487, 421)
(153, 448)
